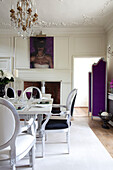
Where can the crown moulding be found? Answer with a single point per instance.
(59, 31)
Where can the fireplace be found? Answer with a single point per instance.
(62, 77)
(53, 88)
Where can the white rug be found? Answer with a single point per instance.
(87, 152)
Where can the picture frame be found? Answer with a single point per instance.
(41, 52)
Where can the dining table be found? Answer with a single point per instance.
(34, 108)
(36, 111)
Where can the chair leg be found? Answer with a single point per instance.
(13, 167)
(46, 137)
(32, 157)
(43, 145)
(13, 163)
(68, 140)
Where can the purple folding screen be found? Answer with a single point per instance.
(89, 75)
(98, 101)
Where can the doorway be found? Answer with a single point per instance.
(80, 78)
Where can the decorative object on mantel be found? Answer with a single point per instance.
(111, 85)
(23, 19)
(41, 52)
(43, 87)
(109, 51)
(106, 117)
(5, 78)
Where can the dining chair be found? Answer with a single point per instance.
(60, 122)
(10, 92)
(14, 145)
(35, 92)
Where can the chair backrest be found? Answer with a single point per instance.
(73, 103)
(36, 93)
(10, 92)
(9, 123)
(71, 100)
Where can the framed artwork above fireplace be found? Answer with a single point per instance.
(41, 52)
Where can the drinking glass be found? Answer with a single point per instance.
(19, 92)
(34, 93)
(28, 94)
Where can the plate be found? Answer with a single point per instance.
(19, 106)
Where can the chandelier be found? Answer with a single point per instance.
(22, 18)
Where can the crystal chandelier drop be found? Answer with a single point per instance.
(23, 19)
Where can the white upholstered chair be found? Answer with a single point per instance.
(60, 122)
(35, 92)
(13, 144)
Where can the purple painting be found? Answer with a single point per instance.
(41, 52)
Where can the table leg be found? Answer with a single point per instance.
(40, 118)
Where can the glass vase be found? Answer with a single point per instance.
(2, 90)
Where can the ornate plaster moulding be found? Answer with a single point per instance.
(55, 30)
(102, 11)
(109, 25)
(106, 5)
(7, 32)
(79, 30)
(4, 24)
(43, 24)
(86, 20)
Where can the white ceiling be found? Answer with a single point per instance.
(64, 13)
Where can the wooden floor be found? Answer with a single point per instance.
(104, 135)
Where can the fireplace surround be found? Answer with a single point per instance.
(53, 88)
(48, 76)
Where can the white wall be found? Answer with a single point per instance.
(65, 47)
(109, 57)
(6, 53)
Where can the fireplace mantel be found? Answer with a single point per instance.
(45, 74)
(48, 75)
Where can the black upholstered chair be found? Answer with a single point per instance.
(10, 92)
(60, 122)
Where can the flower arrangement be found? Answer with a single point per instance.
(5, 77)
(111, 83)
(111, 86)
